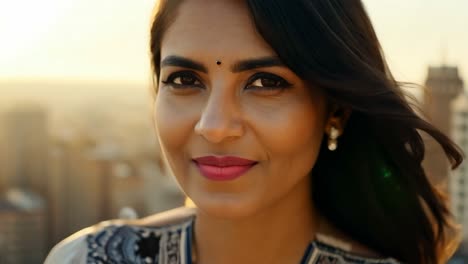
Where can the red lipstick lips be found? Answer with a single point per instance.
(223, 168)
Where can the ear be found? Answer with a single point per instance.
(338, 116)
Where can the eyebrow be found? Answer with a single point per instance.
(252, 64)
(240, 66)
(178, 61)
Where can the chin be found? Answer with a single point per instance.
(225, 206)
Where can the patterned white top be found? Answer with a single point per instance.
(116, 243)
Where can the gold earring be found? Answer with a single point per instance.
(332, 139)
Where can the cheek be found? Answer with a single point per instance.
(173, 121)
(293, 129)
(291, 136)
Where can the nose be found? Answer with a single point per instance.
(219, 120)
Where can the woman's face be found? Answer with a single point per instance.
(250, 106)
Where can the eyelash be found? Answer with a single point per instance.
(181, 74)
(281, 83)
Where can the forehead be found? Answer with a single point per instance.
(220, 29)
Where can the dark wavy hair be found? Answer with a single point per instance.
(373, 187)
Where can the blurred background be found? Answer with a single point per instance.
(77, 144)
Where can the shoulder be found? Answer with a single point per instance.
(72, 249)
(126, 235)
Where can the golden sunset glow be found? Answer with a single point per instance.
(35, 18)
(107, 40)
(75, 39)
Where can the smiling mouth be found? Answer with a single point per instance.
(224, 168)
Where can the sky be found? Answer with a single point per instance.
(107, 39)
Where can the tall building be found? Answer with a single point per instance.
(25, 152)
(74, 187)
(104, 157)
(443, 85)
(4, 181)
(459, 178)
(22, 232)
(24, 159)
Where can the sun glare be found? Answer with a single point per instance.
(25, 22)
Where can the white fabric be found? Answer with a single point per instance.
(72, 250)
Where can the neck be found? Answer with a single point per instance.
(276, 234)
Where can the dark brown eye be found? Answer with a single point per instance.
(264, 82)
(183, 79)
(267, 81)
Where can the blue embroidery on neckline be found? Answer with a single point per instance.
(162, 245)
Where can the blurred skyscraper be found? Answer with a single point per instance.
(22, 222)
(459, 179)
(25, 151)
(62, 171)
(443, 86)
(74, 189)
(24, 184)
(446, 104)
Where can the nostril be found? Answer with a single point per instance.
(217, 125)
